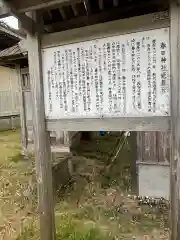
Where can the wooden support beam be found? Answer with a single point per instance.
(4, 11)
(175, 120)
(80, 21)
(134, 156)
(31, 5)
(83, 21)
(87, 6)
(24, 135)
(120, 27)
(63, 14)
(101, 4)
(75, 11)
(115, 3)
(25, 21)
(41, 136)
(50, 14)
(161, 124)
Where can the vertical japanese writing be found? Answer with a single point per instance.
(49, 92)
(109, 77)
(67, 70)
(149, 74)
(163, 67)
(119, 80)
(55, 75)
(52, 77)
(114, 81)
(113, 68)
(88, 91)
(75, 79)
(83, 75)
(104, 57)
(114, 76)
(64, 82)
(59, 77)
(79, 70)
(138, 75)
(100, 69)
(91, 74)
(96, 77)
(123, 52)
(154, 87)
(71, 87)
(133, 70)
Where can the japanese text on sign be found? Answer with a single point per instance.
(118, 76)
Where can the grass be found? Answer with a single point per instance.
(71, 229)
(67, 229)
(28, 233)
(116, 216)
(93, 209)
(16, 195)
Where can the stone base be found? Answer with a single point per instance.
(154, 180)
(9, 123)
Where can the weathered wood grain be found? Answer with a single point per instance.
(174, 188)
(153, 147)
(123, 26)
(24, 135)
(41, 138)
(111, 124)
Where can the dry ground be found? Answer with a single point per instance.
(16, 201)
(91, 208)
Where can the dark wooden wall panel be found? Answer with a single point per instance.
(153, 146)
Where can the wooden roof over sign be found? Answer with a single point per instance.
(61, 15)
(90, 12)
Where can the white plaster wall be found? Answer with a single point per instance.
(8, 79)
(9, 92)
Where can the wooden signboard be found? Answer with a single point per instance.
(119, 76)
(117, 80)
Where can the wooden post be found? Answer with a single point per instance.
(41, 136)
(13, 127)
(24, 137)
(175, 124)
(133, 146)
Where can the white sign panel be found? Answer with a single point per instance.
(118, 76)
